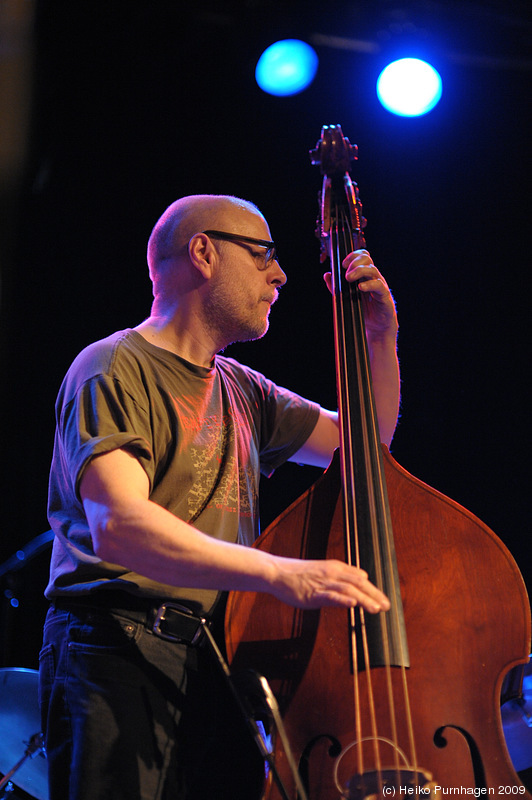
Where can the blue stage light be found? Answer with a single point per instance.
(286, 67)
(409, 87)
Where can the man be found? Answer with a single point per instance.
(153, 500)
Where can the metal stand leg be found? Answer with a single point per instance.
(35, 746)
(255, 730)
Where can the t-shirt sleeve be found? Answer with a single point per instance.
(286, 421)
(292, 419)
(101, 417)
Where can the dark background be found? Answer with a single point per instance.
(131, 105)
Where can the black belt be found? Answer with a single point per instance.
(170, 621)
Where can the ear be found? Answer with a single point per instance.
(202, 254)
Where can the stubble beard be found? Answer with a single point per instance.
(226, 321)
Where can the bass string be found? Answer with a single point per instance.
(355, 324)
(352, 538)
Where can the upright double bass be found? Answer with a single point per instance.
(406, 702)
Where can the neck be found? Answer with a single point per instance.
(182, 337)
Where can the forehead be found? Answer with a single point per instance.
(245, 221)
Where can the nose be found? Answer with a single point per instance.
(278, 277)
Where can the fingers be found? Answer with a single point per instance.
(359, 266)
(315, 584)
(349, 586)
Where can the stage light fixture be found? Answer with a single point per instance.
(286, 67)
(409, 87)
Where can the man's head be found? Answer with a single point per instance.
(196, 253)
(187, 216)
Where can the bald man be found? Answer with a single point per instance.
(153, 499)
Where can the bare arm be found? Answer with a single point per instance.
(130, 530)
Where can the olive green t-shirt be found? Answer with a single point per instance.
(203, 436)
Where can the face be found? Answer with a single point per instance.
(244, 286)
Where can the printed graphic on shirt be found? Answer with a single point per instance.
(219, 453)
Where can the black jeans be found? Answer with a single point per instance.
(129, 716)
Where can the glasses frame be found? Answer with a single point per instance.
(237, 238)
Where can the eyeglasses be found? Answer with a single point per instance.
(269, 256)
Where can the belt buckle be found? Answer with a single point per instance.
(193, 625)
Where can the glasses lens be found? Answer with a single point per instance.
(268, 256)
(271, 255)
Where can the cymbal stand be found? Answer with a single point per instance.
(34, 747)
(254, 727)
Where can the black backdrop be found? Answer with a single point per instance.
(137, 103)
